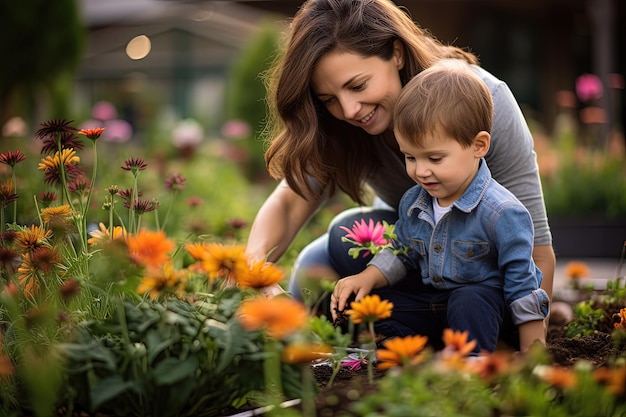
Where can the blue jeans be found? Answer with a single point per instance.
(418, 309)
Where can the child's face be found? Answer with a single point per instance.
(442, 166)
(359, 90)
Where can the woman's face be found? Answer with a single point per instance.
(359, 90)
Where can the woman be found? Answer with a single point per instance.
(331, 97)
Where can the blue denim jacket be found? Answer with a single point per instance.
(486, 239)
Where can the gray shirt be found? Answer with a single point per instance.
(511, 159)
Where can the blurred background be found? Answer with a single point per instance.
(178, 82)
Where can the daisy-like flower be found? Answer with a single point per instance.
(159, 281)
(69, 289)
(366, 236)
(401, 351)
(143, 206)
(56, 215)
(614, 379)
(127, 196)
(299, 352)
(7, 195)
(79, 185)
(150, 248)
(576, 270)
(490, 365)
(456, 343)
(27, 277)
(620, 319)
(93, 134)
(45, 258)
(102, 236)
(30, 239)
(217, 260)
(58, 134)
(280, 316)
(66, 157)
(54, 127)
(175, 182)
(557, 376)
(370, 309)
(9, 259)
(51, 166)
(47, 198)
(134, 165)
(12, 158)
(258, 274)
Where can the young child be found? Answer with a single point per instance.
(468, 239)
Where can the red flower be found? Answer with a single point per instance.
(12, 158)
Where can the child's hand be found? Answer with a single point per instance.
(359, 284)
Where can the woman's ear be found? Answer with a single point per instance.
(482, 141)
(398, 53)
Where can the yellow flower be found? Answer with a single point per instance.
(102, 236)
(370, 309)
(305, 352)
(67, 156)
(257, 275)
(150, 248)
(576, 270)
(401, 351)
(621, 316)
(281, 316)
(56, 214)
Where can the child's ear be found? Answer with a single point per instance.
(482, 141)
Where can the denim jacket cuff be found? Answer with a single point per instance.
(534, 306)
(390, 265)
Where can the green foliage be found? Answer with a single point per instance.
(246, 93)
(41, 42)
(167, 359)
(587, 320)
(595, 185)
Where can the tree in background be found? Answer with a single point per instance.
(245, 95)
(40, 44)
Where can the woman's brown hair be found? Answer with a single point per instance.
(308, 147)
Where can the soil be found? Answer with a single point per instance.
(598, 348)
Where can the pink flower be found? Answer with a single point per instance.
(366, 234)
(588, 87)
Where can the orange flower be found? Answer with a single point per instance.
(613, 378)
(401, 351)
(102, 236)
(6, 367)
(621, 316)
(490, 365)
(370, 309)
(92, 134)
(305, 352)
(217, 260)
(27, 277)
(576, 270)
(281, 316)
(456, 342)
(160, 280)
(150, 248)
(30, 239)
(258, 275)
(557, 376)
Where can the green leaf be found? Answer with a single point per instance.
(108, 389)
(172, 370)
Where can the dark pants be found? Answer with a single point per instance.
(424, 310)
